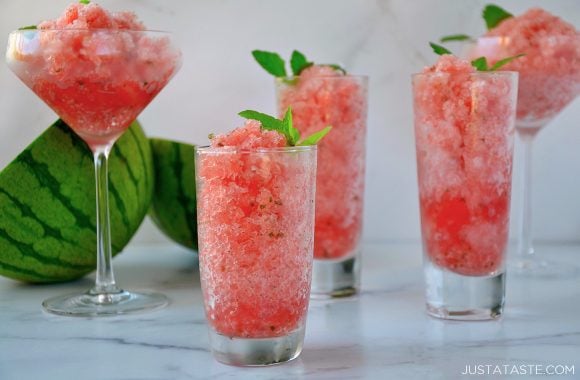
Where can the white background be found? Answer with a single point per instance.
(385, 39)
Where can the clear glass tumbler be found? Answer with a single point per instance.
(339, 101)
(256, 237)
(464, 134)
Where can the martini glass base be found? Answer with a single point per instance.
(104, 304)
(539, 268)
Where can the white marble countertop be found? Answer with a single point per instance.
(382, 334)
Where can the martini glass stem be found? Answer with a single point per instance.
(105, 281)
(525, 245)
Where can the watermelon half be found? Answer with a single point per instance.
(47, 204)
(173, 209)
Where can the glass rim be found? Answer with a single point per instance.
(20, 31)
(208, 149)
(500, 73)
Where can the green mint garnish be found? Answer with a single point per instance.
(298, 62)
(494, 15)
(505, 61)
(285, 127)
(269, 123)
(314, 138)
(480, 64)
(271, 62)
(29, 27)
(275, 65)
(456, 37)
(84, 2)
(438, 49)
(292, 134)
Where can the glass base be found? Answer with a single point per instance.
(92, 304)
(538, 268)
(465, 298)
(336, 278)
(249, 352)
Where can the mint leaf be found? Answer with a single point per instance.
(84, 2)
(314, 138)
(29, 27)
(268, 122)
(298, 62)
(480, 64)
(504, 61)
(284, 126)
(335, 67)
(494, 15)
(456, 37)
(275, 65)
(292, 134)
(438, 49)
(271, 62)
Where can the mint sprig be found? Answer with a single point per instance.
(505, 61)
(275, 65)
(285, 127)
(439, 50)
(480, 63)
(494, 15)
(314, 138)
(456, 37)
(271, 62)
(298, 62)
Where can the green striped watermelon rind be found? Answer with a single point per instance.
(173, 209)
(47, 204)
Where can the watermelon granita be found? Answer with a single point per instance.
(322, 95)
(464, 126)
(255, 199)
(96, 69)
(549, 73)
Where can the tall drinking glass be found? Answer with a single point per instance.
(97, 81)
(339, 101)
(549, 79)
(464, 128)
(255, 211)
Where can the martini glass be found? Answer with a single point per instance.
(549, 81)
(97, 81)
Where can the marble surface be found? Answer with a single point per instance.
(385, 39)
(382, 334)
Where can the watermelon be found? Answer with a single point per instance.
(173, 209)
(47, 204)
